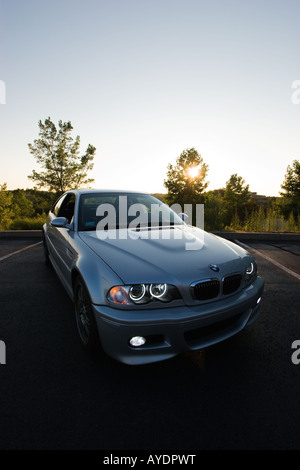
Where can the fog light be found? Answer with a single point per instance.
(258, 300)
(137, 341)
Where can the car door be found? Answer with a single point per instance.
(61, 238)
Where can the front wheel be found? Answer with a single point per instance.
(85, 319)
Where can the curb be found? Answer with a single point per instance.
(260, 236)
(251, 236)
(21, 234)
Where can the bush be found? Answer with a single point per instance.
(28, 223)
(269, 221)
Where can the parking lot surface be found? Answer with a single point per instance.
(241, 394)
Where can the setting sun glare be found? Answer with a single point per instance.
(193, 172)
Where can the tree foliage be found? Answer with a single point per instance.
(42, 201)
(182, 186)
(214, 210)
(21, 205)
(6, 213)
(291, 189)
(57, 153)
(236, 198)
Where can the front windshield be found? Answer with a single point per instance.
(104, 211)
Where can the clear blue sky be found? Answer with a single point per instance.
(142, 80)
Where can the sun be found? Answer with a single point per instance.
(193, 171)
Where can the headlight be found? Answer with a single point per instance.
(137, 292)
(118, 295)
(158, 290)
(250, 269)
(142, 293)
(251, 272)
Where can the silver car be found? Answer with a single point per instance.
(145, 284)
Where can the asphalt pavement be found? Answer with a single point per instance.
(242, 394)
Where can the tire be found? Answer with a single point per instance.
(46, 251)
(85, 319)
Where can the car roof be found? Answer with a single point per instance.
(103, 191)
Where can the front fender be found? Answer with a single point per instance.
(96, 274)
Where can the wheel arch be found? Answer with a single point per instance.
(97, 277)
(74, 275)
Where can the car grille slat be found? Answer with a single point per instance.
(231, 283)
(211, 288)
(206, 290)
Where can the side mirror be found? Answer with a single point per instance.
(60, 222)
(183, 216)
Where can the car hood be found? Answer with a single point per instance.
(178, 255)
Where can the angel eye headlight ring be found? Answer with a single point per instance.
(137, 292)
(250, 269)
(251, 272)
(158, 290)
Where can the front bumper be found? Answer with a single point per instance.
(169, 331)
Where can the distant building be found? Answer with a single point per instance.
(259, 199)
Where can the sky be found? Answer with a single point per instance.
(143, 80)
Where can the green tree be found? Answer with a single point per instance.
(42, 201)
(58, 155)
(236, 198)
(21, 205)
(186, 180)
(6, 213)
(291, 190)
(214, 210)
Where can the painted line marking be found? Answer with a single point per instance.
(19, 251)
(279, 265)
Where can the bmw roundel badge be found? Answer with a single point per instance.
(214, 267)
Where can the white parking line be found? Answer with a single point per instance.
(19, 251)
(279, 265)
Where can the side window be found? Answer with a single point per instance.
(67, 207)
(55, 209)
